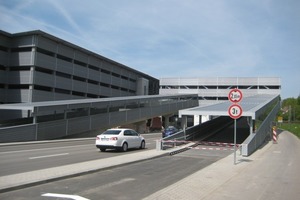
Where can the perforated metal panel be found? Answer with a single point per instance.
(85, 115)
(220, 86)
(20, 133)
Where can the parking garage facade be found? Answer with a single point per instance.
(36, 66)
(212, 90)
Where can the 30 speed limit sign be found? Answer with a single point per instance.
(235, 111)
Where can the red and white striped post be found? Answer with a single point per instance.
(274, 135)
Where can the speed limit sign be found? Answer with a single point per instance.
(235, 111)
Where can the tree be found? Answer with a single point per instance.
(290, 109)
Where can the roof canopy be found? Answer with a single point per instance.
(251, 107)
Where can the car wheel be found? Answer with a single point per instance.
(143, 145)
(102, 149)
(124, 147)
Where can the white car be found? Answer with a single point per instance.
(120, 139)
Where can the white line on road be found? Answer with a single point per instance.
(107, 186)
(65, 196)
(29, 150)
(47, 156)
(125, 180)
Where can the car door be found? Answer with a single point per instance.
(128, 137)
(135, 138)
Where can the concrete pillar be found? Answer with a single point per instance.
(33, 113)
(184, 122)
(205, 118)
(140, 127)
(167, 121)
(142, 86)
(197, 120)
(184, 125)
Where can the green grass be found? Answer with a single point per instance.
(291, 127)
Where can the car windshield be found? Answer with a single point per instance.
(111, 132)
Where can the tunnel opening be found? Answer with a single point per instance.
(222, 131)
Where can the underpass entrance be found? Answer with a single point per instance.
(253, 126)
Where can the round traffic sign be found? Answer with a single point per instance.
(235, 95)
(235, 111)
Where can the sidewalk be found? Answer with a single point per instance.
(272, 172)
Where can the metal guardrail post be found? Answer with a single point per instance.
(240, 148)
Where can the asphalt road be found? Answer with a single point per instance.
(133, 181)
(35, 156)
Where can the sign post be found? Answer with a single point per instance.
(235, 111)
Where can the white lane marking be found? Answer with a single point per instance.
(47, 156)
(75, 197)
(116, 183)
(7, 152)
(107, 186)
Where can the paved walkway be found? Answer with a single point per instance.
(272, 172)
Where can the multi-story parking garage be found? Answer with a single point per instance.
(37, 69)
(215, 90)
(36, 66)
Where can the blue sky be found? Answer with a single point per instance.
(175, 38)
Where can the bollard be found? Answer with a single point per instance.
(274, 135)
(158, 145)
